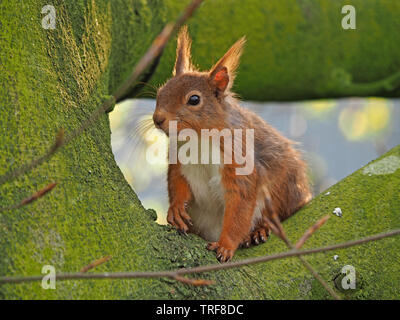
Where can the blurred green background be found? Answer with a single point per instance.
(297, 49)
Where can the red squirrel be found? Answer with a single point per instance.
(212, 200)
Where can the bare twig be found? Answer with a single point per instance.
(152, 53)
(319, 278)
(193, 282)
(95, 263)
(311, 231)
(281, 234)
(202, 269)
(11, 175)
(31, 198)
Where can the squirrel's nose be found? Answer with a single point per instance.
(158, 119)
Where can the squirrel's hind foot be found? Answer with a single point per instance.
(256, 237)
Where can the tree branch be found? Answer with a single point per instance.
(201, 269)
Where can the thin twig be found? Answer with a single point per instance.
(58, 143)
(202, 269)
(155, 49)
(95, 263)
(31, 198)
(311, 231)
(281, 233)
(193, 282)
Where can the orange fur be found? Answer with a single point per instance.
(179, 195)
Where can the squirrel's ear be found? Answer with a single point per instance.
(183, 60)
(221, 79)
(222, 74)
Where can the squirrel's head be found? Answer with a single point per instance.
(192, 98)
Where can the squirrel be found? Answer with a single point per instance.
(212, 200)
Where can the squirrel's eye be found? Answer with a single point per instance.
(194, 100)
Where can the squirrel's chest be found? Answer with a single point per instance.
(204, 181)
(207, 207)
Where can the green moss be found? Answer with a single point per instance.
(55, 78)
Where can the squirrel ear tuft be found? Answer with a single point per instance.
(183, 60)
(229, 62)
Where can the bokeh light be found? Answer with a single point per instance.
(365, 120)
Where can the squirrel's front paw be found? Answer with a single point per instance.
(224, 254)
(178, 217)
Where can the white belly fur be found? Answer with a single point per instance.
(207, 207)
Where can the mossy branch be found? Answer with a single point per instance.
(280, 232)
(175, 274)
(343, 84)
